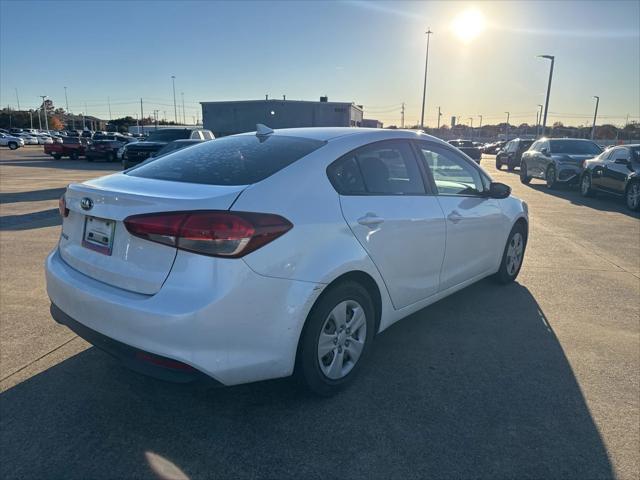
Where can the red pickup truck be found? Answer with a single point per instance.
(72, 147)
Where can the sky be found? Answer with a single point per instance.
(482, 56)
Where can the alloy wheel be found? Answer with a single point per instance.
(585, 186)
(342, 339)
(550, 177)
(514, 253)
(633, 196)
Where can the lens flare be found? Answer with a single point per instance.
(468, 25)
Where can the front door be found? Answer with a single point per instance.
(616, 170)
(476, 227)
(385, 203)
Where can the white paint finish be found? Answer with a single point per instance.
(134, 264)
(239, 320)
(407, 245)
(476, 235)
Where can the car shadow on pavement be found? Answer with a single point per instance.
(31, 221)
(603, 201)
(32, 196)
(80, 164)
(475, 386)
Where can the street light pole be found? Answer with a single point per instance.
(439, 115)
(31, 118)
(44, 110)
(184, 119)
(471, 120)
(424, 87)
(506, 129)
(595, 114)
(546, 102)
(539, 117)
(175, 108)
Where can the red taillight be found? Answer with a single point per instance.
(215, 233)
(62, 207)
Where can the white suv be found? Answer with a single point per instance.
(10, 141)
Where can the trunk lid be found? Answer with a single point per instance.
(114, 256)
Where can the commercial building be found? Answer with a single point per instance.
(230, 117)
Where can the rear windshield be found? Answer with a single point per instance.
(70, 140)
(235, 160)
(576, 147)
(168, 135)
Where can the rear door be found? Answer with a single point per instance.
(385, 202)
(616, 170)
(475, 225)
(95, 241)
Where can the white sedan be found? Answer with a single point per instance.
(28, 138)
(258, 255)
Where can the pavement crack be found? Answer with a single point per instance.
(38, 359)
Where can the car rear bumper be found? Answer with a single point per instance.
(217, 316)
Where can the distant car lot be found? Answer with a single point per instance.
(532, 381)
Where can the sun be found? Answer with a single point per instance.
(468, 25)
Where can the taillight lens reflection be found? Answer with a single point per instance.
(62, 207)
(214, 233)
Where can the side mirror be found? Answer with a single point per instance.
(545, 152)
(498, 190)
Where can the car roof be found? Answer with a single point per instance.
(327, 134)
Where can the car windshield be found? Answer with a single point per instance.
(575, 147)
(168, 135)
(235, 160)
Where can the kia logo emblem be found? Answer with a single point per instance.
(86, 203)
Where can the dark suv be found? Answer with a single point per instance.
(511, 153)
(615, 171)
(137, 152)
(467, 146)
(106, 146)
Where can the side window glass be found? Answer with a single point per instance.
(345, 176)
(452, 174)
(389, 168)
(384, 168)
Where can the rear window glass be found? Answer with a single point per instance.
(168, 135)
(236, 160)
(576, 147)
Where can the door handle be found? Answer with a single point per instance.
(370, 220)
(454, 217)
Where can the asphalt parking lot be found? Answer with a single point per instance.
(538, 379)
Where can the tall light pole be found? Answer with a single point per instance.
(595, 114)
(18, 99)
(66, 101)
(424, 87)
(31, 118)
(471, 120)
(506, 129)
(439, 115)
(184, 119)
(44, 111)
(175, 108)
(546, 102)
(539, 116)
(480, 121)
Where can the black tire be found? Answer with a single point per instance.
(498, 164)
(13, 145)
(510, 166)
(308, 370)
(586, 189)
(504, 274)
(524, 177)
(57, 156)
(550, 177)
(633, 188)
